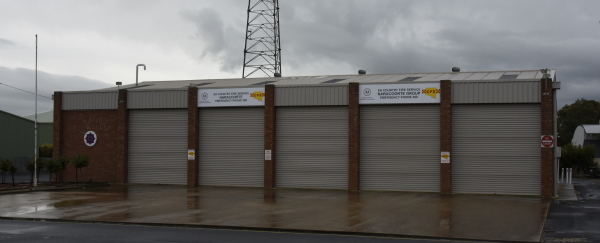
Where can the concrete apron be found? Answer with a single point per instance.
(503, 218)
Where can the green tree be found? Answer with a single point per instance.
(13, 169)
(56, 166)
(46, 150)
(570, 116)
(80, 161)
(580, 158)
(4, 168)
(41, 165)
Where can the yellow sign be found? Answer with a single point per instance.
(191, 154)
(431, 92)
(445, 157)
(258, 95)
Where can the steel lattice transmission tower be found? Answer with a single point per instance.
(262, 50)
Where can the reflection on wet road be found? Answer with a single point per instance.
(416, 214)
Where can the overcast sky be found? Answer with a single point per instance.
(86, 44)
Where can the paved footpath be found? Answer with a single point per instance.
(576, 221)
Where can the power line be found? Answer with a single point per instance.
(25, 91)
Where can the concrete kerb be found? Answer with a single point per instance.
(566, 192)
(243, 228)
(50, 188)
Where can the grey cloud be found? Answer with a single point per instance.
(222, 42)
(22, 103)
(424, 36)
(4, 42)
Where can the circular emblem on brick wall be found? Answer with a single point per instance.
(90, 138)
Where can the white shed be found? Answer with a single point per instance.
(588, 134)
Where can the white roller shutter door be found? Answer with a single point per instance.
(496, 149)
(158, 146)
(231, 146)
(400, 148)
(312, 147)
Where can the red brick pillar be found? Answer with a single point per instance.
(547, 129)
(446, 134)
(193, 136)
(353, 138)
(122, 138)
(57, 125)
(269, 172)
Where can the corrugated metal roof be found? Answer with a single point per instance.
(345, 79)
(591, 129)
(44, 117)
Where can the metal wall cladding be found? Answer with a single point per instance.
(312, 147)
(496, 92)
(158, 146)
(231, 146)
(157, 99)
(400, 148)
(90, 101)
(311, 96)
(496, 149)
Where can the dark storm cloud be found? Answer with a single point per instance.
(221, 41)
(23, 103)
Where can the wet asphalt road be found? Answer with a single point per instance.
(50, 232)
(576, 221)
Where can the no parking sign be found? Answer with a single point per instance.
(547, 141)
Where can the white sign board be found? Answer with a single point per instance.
(191, 154)
(399, 93)
(445, 157)
(268, 154)
(231, 97)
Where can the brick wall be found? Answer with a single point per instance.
(446, 134)
(269, 168)
(353, 138)
(104, 164)
(193, 136)
(122, 152)
(547, 129)
(57, 124)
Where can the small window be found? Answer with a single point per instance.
(333, 81)
(509, 76)
(409, 79)
(265, 83)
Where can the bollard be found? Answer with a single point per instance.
(562, 176)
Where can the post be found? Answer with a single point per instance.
(35, 153)
(136, 72)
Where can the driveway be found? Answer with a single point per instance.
(503, 218)
(577, 220)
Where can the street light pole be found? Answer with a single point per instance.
(136, 72)
(35, 154)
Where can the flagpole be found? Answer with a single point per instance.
(35, 154)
